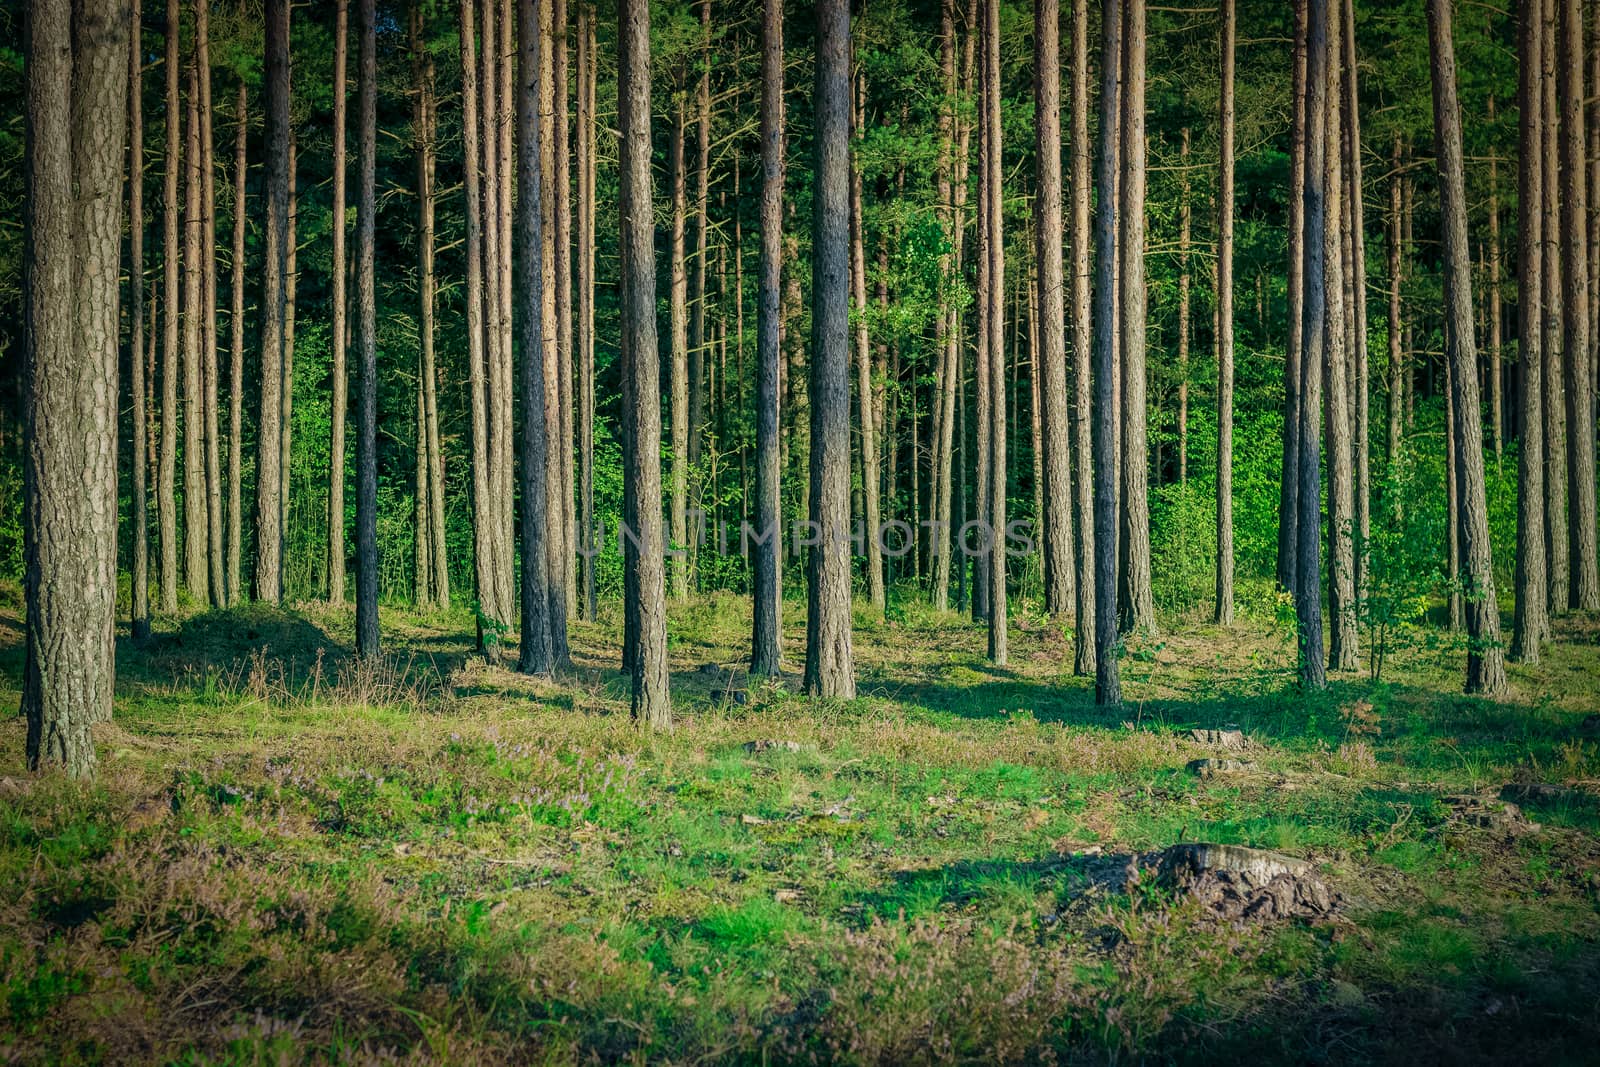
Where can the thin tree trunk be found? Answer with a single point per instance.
(867, 418)
(1085, 628)
(587, 535)
(504, 395)
(1342, 650)
(678, 309)
(641, 371)
(1313, 334)
(983, 387)
(366, 337)
(1558, 558)
(947, 336)
(830, 669)
(1455, 606)
(291, 287)
(1224, 609)
(1584, 564)
(1532, 623)
(1050, 366)
(1486, 670)
(139, 505)
(1107, 359)
(171, 357)
(235, 550)
(1357, 286)
(766, 655)
(702, 203)
(1139, 605)
(211, 461)
(423, 536)
(269, 474)
(430, 382)
(76, 96)
(1396, 387)
(536, 653)
(1289, 509)
(564, 582)
(338, 375)
(1496, 313)
(998, 474)
(1185, 227)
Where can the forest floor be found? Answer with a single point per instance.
(289, 857)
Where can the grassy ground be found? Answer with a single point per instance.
(290, 857)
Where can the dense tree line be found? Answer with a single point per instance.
(990, 244)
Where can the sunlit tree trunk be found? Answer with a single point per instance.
(564, 582)
(1107, 359)
(366, 336)
(1139, 613)
(678, 312)
(1294, 346)
(1224, 607)
(1313, 333)
(1356, 285)
(865, 411)
(1050, 367)
(211, 460)
(338, 375)
(269, 473)
(139, 505)
(171, 319)
(1532, 622)
(1342, 651)
(588, 539)
(766, 656)
(1558, 558)
(1085, 628)
(235, 534)
(76, 102)
(1496, 312)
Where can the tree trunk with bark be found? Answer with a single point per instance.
(1139, 613)
(647, 658)
(338, 375)
(1342, 651)
(1531, 621)
(1558, 558)
(830, 668)
(171, 303)
(1051, 365)
(1107, 370)
(235, 551)
(1085, 628)
(139, 505)
(1486, 669)
(76, 100)
(766, 656)
(366, 336)
(1294, 344)
(998, 474)
(1313, 334)
(211, 460)
(678, 312)
(1224, 589)
(269, 473)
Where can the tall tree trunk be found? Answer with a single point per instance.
(1532, 622)
(1558, 561)
(830, 668)
(505, 159)
(291, 287)
(1396, 386)
(1455, 604)
(1486, 670)
(1313, 335)
(1224, 609)
(641, 370)
(867, 417)
(235, 560)
(139, 505)
(76, 96)
(1051, 365)
(998, 474)
(366, 336)
(1584, 565)
(338, 375)
(1185, 234)
(269, 474)
(1342, 650)
(1107, 359)
(766, 655)
(946, 336)
(1496, 312)
(536, 653)
(423, 536)
(1357, 287)
(1085, 628)
(1289, 509)
(564, 582)
(588, 537)
(983, 387)
(211, 460)
(678, 310)
(1139, 603)
(171, 357)
(698, 340)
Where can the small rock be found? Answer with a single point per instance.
(752, 820)
(1233, 740)
(1211, 768)
(770, 745)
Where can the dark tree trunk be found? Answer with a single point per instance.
(1486, 669)
(1107, 370)
(647, 658)
(766, 656)
(338, 375)
(1308, 524)
(564, 575)
(998, 474)
(830, 669)
(139, 504)
(1357, 287)
(536, 653)
(366, 337)
(1336, 376)
(77, 85)
(269, 473)
(211, 460)
(1294, 344)
(235, 560)
(587, 144)
(1558, 558)
(171, 358)
(1396, 386)
(1496, 311)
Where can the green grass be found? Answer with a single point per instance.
(292, 857)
